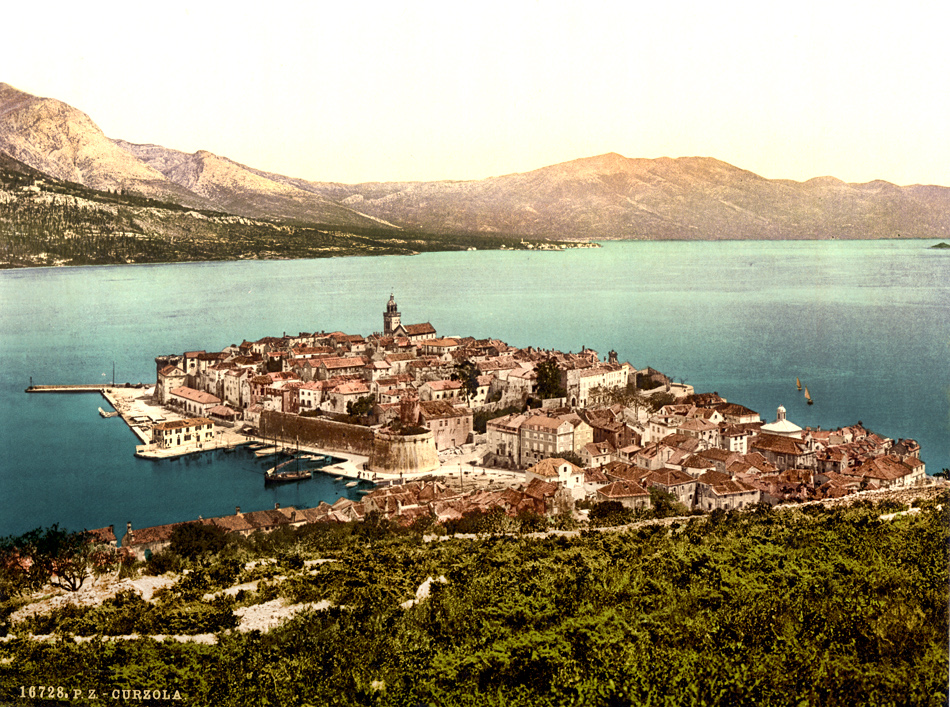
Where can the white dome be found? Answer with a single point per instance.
(782, 426)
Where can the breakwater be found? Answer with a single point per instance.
(80, 387)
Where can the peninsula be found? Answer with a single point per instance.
(532, 512)
(415, 412)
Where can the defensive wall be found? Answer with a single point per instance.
(403, 454)
(317, 432)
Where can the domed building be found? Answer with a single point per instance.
(782, 426)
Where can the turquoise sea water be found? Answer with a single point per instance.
(865, 325)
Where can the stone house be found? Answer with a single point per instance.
(734, 414)
(451, 426)
(146, 542)
(721, 458)
(169, 378)
(332, 367)
(628, 493)
(674, 481)
(891, 472)
(347, 392)
(735, 437)
(440, 390)
(503, 435)
(309, 396)
(191, 432)
(414, 332)
(703, 430)
(103, 536)
(236, 388)
(194, 402)
(597, 454)
(543, 437)
(785, 452)
(715, 490)
(558, 471)
(438, 347)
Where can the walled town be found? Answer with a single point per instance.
(419, 415)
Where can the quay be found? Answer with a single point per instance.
(80, 388)
(137, 409)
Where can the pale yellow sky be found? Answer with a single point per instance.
(355, 92)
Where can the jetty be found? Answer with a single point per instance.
(75, 388)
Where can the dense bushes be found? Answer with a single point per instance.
(821, 607)
(127, 613)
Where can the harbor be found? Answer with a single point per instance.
(135, 405)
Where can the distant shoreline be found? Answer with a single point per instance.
(562, 245)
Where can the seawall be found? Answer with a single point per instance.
(403, 454)
(316, 432)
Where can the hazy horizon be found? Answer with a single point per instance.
(422, 91)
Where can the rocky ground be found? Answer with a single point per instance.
(257, 617)
(269, 614)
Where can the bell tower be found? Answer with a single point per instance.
(391, 317)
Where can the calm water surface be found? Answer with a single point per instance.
(866, 325)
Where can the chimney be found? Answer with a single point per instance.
(237, 510)
(277, 506)
(129, 533)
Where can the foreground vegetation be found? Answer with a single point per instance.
(814, 606)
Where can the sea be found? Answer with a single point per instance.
(865, 325)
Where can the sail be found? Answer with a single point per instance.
(798, 383)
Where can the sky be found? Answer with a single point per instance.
(369, 91)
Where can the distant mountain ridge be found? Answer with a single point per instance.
(603, 197)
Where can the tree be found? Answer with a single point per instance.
(666, 504)
(609, 513)
(59, 557)
(572, 457)
(599, 395)
(361, 408)
(629, 396)
(467, 373)
(660, 399)
(549, 381)
(190, 540)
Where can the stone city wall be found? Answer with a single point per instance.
(403, 454)
(317, 432)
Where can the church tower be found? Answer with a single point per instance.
(391, 317)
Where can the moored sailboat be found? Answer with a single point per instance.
(278, 474)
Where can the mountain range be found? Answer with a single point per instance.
(604, 197)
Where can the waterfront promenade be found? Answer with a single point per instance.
(139, 410)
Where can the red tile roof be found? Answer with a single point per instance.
(622, 489)
(417, 329)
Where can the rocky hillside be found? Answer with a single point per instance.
(695, 198)
(239, 189)
(46, 221)
(604, 197)
(66, 144)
